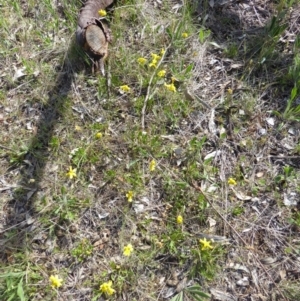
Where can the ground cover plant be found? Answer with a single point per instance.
(173, 177)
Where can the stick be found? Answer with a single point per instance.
(108, 79)
(7, 148)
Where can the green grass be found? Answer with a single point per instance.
(144, 156)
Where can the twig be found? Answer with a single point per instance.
(240, 238)
(16, 88)
(149, 88)
(7, 148)
(191, 96)
(108, 79)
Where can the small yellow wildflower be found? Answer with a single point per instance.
(179, 219)
(155, 56)
(102, 13)
(129, 196)
(99, 135)
(71, 173)
(229, 91)
(231, 181)
(185, 35)
(125, 88)
(170, 87)
(158, 243)
(162, 52)
(161, 73)
(205, 244)
(152, 165)
(78, 128)
(127, 250)
(173, 79)
(106, 288)
(153, 63)
(141, 61)
(55, 281)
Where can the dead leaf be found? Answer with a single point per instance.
(222, 296)
(290, 199)
(259, 174)
(211, 124)
(236, 66)
(212, 223)
(240, 195)
(243, 282)
(268, 260)
(238, 267)
(212, 155)
(19, 73)
(103, 215)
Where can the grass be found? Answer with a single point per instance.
(193, 185)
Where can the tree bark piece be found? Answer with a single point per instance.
(93, 33)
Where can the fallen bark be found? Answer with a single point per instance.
(93, 33)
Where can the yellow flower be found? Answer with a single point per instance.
(205, 244)
(161, 73)
(102, 13)
(55, 281)
(158, 243)
(106, 288)
(179, 219)
(173, 79)
(99, 135)
(141, 61)
(185, 35)
(129, 196)
(71, 173)
(170, 87)
(125, 88)
(231, 181)
(153, 63)
(155, 56)
(78, 128)
(162, 52)
(127, 250)
(152, 165)
(229, 91)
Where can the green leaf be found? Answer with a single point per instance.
(294, 93)
(96, 297)
(12, 296)
(195, 290)
(278, 114)
(169, 32)
(201, 36)
(297, 43)
(20, 291)
(12, 274)
(178, 30)
(178, 297)
(188, 69)
(197, 298)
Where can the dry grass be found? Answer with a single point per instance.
(233, 74)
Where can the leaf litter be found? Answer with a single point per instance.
(262, 235)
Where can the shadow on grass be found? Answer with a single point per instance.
(257, 37)
(265, 46)
(22, 218)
